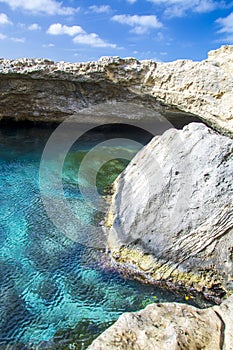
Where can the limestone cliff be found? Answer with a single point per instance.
(45, 90)
(171, 216)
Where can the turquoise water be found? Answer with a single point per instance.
(49, 284)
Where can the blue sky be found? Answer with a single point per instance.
(84, 30)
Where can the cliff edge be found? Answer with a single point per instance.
(47, 91)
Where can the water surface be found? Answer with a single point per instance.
(55, 291)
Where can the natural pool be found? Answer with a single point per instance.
(55, 291)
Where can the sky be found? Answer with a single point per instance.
(85, 30)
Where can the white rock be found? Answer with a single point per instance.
(170, 326)
(171, 214)
(202, 88)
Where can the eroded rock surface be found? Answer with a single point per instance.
(171, 326)
(48, 91)
(171, 216)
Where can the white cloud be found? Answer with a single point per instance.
(131, 1)
(81, 37)
(160, 37)
(4, 19)
(34, 26)
(205, 6)
(140, 24)
(178, 8)
(100, 9)
(93, 40)
(2, 36)
(139, 30)
(59, 29)
(18, 40)
(226, 24)
(50, 7)
(48, 45)
(228, 39)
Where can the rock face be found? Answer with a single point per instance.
(48, 91)
(171, 325)
(203, 88)
(171, 216)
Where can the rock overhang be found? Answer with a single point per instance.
(47, 91)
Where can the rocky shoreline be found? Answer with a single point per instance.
(170, 219)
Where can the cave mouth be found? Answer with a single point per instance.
(138, 119)
(142, 111)
(110, 131)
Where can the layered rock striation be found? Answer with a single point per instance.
(171, 218)
(47, 91)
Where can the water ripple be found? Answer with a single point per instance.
(53, 291)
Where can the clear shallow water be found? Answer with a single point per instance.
(55, 291)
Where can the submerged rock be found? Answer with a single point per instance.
(171, 325)
(171, 216)
(42, 90)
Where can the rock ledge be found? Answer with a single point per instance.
(42, 90)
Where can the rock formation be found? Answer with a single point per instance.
(171, 216)
(49, 91)
(171, 325)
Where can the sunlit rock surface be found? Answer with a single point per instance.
(171, 326)
(47, 91)
(171, 215)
